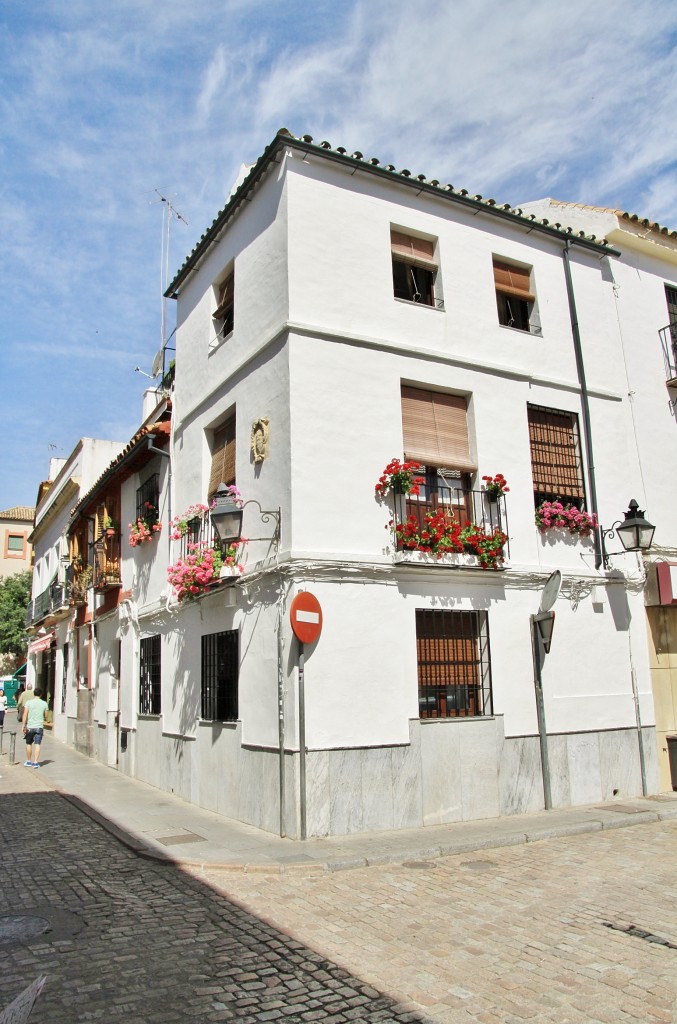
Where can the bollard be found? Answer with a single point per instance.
(12, 748)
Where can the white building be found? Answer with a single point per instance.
(337, 315)
(644, 280)
(49, 614)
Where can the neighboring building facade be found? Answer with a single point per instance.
(15, 550)
(644, 283)
(49, 617)
(336, 316)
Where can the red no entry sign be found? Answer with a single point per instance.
(306, 617)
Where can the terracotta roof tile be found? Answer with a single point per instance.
(23, 513)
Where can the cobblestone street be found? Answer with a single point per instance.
(513, 934)
(136, 940)
(575, 929)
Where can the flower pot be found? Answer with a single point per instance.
(492, 497)
(110, 531)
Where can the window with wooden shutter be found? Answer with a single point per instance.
(414, 268)
(225, 307)
(454, 670)
(435, 429)
(514, 297)
(556, 463)
(223, 456)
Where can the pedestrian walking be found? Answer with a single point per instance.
(3, 707)
(22, 698)
(34, 724)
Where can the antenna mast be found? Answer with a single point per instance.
(168, 211)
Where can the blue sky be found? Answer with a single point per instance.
(101, 104)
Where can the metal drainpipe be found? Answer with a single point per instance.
(585, 406)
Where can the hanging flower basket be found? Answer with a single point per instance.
(146, 526)
(553, 515)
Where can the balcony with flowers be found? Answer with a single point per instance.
(436, 520)
(203, 564)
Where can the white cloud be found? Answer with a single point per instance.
(213, 80)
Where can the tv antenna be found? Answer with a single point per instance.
(168, 212)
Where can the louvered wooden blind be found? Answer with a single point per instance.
(223, 457)
(513, 281)
(414, 250)
(435, 428)
(555, 454)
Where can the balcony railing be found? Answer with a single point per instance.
(465, 507)
(59, 596)
(200, 531)
(668, 336)
(106, 562)
(52, 600)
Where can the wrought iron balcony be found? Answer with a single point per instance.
(106, 562)
(59, 596)
(445, 509)
(668, 336)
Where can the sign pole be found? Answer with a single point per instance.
(306, 622)
(540, 713)
(302, 742)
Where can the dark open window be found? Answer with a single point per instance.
(556, 463)
(224, 314)
(414, 268)
(454, 665)
(514, 297)
(220, 672)
(150, 682)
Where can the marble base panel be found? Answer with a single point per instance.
(458, 770)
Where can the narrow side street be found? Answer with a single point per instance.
(577, 929)
(122, 937)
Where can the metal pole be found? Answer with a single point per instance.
(280, 729)
(640, 737)
(540, 712)
(302, 744)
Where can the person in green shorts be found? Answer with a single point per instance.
(34, 723)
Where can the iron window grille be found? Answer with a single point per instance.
(220, 672)
(148, 494)
(150, 676)
(556, 461)
(454, 664)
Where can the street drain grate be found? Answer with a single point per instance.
(420, 864)
(479, 865)
(640, 933)
(185, 837)
(621, 809)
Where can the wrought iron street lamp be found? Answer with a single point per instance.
(227, 516)
(634, 532)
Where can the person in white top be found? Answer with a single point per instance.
(3, 707)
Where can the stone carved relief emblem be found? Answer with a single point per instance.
(259, 439)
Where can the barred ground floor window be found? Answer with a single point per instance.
(150, 676)
(454, 664)
(220, 673)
